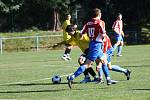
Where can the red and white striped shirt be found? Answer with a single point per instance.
(118, 26)
(95, 30)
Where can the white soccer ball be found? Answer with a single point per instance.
(82, 59)
(56, 79)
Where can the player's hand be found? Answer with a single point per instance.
(122, 33)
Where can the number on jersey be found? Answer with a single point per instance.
(91, 32)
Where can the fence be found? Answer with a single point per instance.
(132, 38)
(26, 37)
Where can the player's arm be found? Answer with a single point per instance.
(122, 33)
(103, 31)
(83, 31)
(115, 28)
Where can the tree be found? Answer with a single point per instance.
(9, 8)
(57, 7)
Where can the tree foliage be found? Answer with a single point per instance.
(18, 15)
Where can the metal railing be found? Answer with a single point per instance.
(133, 33)
(25, 37)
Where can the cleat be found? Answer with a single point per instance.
(99, 81)
(85, 80)
(109, 82)
(114, 82)
(128, 74)
(119, 55)
(64, 58)
(68, 58)
(69, 82)
(96, 79)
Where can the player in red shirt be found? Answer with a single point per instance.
(96, 33)
(108, 51)
(119, 34)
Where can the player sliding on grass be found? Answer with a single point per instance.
(95, 33)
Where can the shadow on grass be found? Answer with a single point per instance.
(46, 60)
(141, 89)
(138, 66)
(57, 90)
(30, 91)
(32, 84)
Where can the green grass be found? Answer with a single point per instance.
(35, 67)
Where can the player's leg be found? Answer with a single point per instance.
(82, 68)
(116, 43)
(81, 61)
(67, 39)
(118, 38)
(104, 69)
(105, 66)
(66, 55)
(99, 71)
(87, 77)
(106, 73)
(69, 44)
(94, 49)
(120, 49)
(91, 72)
(117, 68)
(120, 46)
(79, 71)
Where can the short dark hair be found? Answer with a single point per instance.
(95, 12)
(70, 28)
(119, 14)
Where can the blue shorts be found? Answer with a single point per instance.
(118, 37)
(95, 50)
(109, 54)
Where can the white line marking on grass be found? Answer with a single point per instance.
(11, 83)
(41, 66)
(8, 99)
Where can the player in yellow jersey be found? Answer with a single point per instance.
(69, 40)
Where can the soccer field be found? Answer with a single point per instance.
(27, 76)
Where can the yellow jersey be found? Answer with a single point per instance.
(82, 43)
(67, 38)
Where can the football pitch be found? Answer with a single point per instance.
(27, 76)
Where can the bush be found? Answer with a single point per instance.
(145, 34)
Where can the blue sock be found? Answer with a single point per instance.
(100, 73)
(105, 70)
(114, 47)
(79, 71)
(119, 50)
(118, 69)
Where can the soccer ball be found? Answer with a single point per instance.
(56, 79)
(82, 59)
